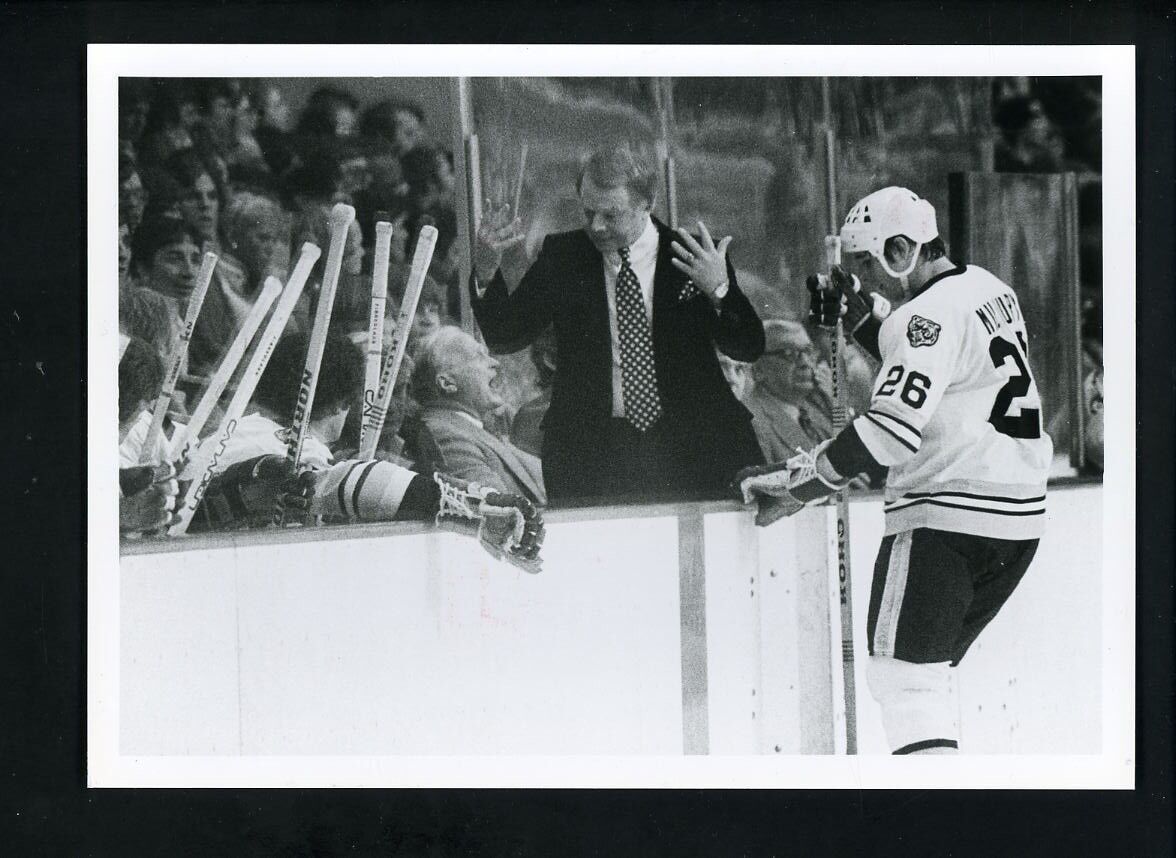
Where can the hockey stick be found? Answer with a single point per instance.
(421, 257)
(179, 353)
(375, 346)
(230, 362)
(341, 217)
(203, 466)
(840, 420)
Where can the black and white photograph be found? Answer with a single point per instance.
(611, 416)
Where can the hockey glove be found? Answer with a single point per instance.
(148, 498)
(508, 526)
(245, 493)
(840, 295)
(785, 488)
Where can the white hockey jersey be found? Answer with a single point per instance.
(956, 414)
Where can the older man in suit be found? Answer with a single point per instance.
(639, 407)
(454, 381)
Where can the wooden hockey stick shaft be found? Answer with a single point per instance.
(845, 594)
(179, 353)
(230, 362)
(340, 221)
(203, 465)
(421, 258)
(375, 344)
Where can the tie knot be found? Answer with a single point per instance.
(623, 252)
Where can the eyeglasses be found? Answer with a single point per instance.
(793, 355)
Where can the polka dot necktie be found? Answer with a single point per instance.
(638, 374)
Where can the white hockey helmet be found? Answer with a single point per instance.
(884, 214)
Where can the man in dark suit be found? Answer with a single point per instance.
(639, 407)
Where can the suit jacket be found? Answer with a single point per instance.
(449, 442)
(780, 434)
(707, 428)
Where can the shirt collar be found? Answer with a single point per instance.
(470, 417)
(641, 250)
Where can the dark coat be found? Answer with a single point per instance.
(707, 428)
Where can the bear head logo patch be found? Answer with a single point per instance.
(922, 332)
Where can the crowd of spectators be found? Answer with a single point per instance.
(226, 165)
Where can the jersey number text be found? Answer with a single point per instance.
(1026, 424)
(914, 392)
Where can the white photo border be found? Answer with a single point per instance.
(1114, 768)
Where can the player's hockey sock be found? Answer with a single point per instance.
(919, 711)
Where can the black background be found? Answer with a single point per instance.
(44, 806)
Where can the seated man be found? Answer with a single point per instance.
(253, 474)
(784, 417)
(454, 381)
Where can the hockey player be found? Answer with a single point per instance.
(253, 472)
(956, 416)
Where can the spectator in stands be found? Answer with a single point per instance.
(132, 196)
(329, 112)
(163, 193)
(783, 418)
(218, 100)
(526, 430)
(146, 315)
(140, 377)
(166, 258)
(225, 135)
(274, 126)
(353, 295)
(166, 255)
(174, 113)
(200, 200)
(429, 174)
(145, 500)
(430, 314)
(455, 382)
(124, 254)
(134, 103)
(257, 245)
(399, 122)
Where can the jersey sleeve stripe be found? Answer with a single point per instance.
(901, 423)
(995, 498)
(358, 487)
(991, 510)
(342, 495)
(884, 428)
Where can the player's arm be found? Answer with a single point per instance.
(244, 494)
(918, 364)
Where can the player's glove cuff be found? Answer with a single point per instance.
(783, 489)
(508, 526)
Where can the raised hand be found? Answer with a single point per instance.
(497, 232)
(702, 261)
